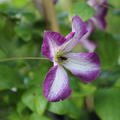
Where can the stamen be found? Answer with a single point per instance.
(62, 58)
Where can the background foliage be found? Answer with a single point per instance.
(21, 32)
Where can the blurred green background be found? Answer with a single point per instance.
(22, 23)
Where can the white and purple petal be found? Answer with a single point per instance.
(70, 35)
(99, 18)
(78, 31)
(84, 65)
(79, 27)
(101, 12)
(90, 28)
(56, 84)
(100, 22)
(51, 43)
(96, 2)
(89, 45)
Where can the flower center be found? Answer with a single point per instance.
(60, 58)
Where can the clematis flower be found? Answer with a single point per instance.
(58, 49)
(101, 9)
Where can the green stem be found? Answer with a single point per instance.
(21, 58)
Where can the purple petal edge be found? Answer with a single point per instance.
(48, 84)
(94, 74)
(53, 38)
(86, 66)
(79, 27)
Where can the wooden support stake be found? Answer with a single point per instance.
(46, 7)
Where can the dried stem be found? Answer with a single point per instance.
(89, 103)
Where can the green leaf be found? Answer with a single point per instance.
(20, 3)
(2, 54)
(107, 103)
(113, 19)
(86, 89)
(20, 107)
(13, 116)
(57, 107)
(71, 109)
(2, 22)
(3, 6)
(38, 73)
(9, 77)
(35, 116)
(83, 10)
(26, 50)
(117, 84)
(35, 101)
(64, 107)
(107, 49)
(24, 31)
